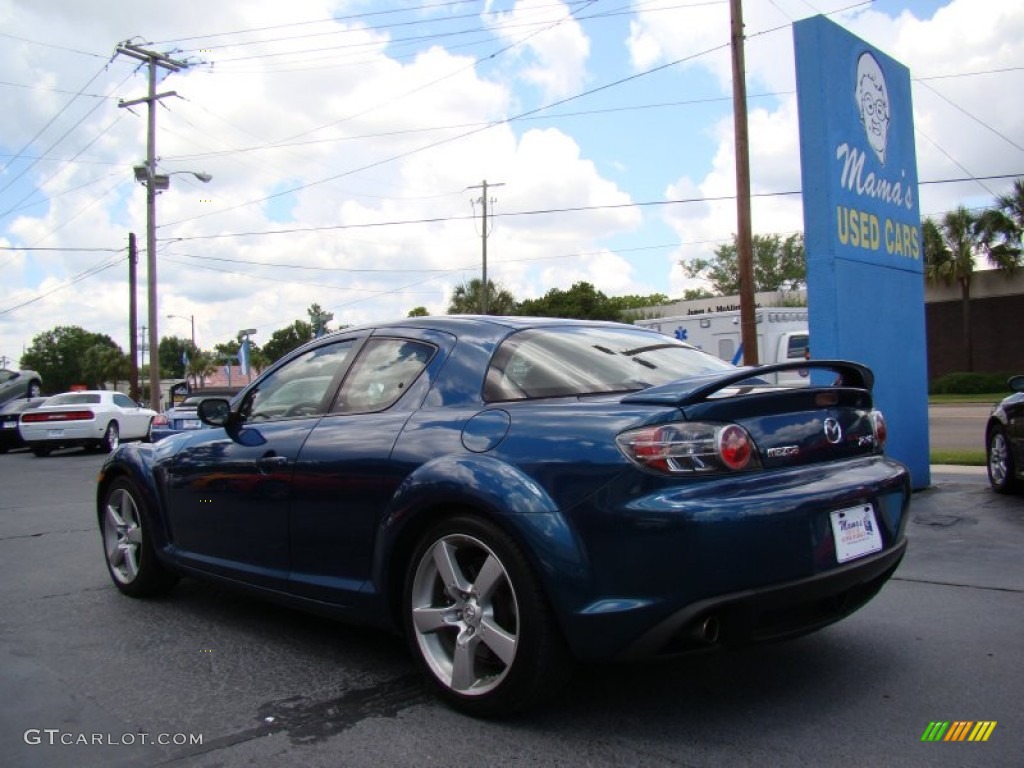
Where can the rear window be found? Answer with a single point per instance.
(74, 398)
(580, 360)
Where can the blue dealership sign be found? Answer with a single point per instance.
(862, 224)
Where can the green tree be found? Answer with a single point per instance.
(778, 265)
(693, 294)
(951, 248)
(467, 299)
(58, 355)
(1003, 229)
(318, 319)
(171, 353)
(284, 340)
(200, 365)
(634, 301)
(102, 363)
(583, 301)
(418, 312)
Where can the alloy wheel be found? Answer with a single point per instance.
(465, 615)
(122, 536)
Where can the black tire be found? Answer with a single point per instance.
(40, 453)
(127, 545)
(999, 460)
(492, 647)
(111, 438)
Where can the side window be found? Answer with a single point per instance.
(796, 347)
(298, 388)
(124, 401)
(382, 373)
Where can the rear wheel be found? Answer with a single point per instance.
(127, 544)
(1001, 470)
(34, 389)
(41, 452)
(111, 438)
(478, 622)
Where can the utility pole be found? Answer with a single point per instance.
(133, 339)
(154, 61)
(483, 237)
(744, 238)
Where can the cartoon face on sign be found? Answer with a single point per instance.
(873, 103)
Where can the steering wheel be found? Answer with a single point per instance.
(302, 409)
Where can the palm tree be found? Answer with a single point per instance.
(951, 249)
(1003, 228)
(466, 299)
(201, 365)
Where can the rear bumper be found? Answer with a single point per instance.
(753, 554)
(45, 437)
(771, 613)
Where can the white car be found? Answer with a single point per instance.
(93, 418)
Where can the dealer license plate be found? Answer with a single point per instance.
(855, 532)
(55, 433)
(10, 424)
(191, 424)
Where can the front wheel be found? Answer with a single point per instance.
(127, 544)
(1001, 470)
(35, 389)
(478, 621)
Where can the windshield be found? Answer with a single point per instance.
(583, 360)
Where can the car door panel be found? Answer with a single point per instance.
(345, 476)
(229, 489)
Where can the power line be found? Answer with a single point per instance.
(50, 122)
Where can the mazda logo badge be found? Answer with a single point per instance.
(833, 432)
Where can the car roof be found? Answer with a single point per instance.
(484, 328)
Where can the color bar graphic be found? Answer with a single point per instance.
(958, 730)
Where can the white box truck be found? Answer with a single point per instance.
(781, 335)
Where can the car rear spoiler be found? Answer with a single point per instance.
(689, 391)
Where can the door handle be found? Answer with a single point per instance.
(268, 464)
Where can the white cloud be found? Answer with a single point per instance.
(353, 126)
(966, 125)
(559, 54)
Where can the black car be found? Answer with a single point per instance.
(10, 413)
(1004, 440)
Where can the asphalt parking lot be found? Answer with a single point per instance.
(93, 678)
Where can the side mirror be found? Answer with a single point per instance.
(1016, 383)
(214, 411)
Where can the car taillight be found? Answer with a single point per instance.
(30, 418)
(880, 429)
(690, 447)
(160, 420)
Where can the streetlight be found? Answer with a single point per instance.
(155, 182)
(191, 319)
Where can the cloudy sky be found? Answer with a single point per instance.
(348, 143)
